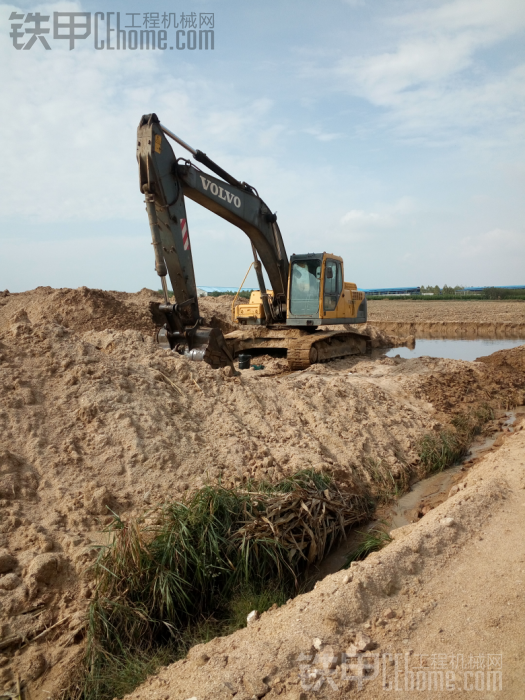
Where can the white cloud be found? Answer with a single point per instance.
(496, 17)
(357, 219)
(497, 242)
(430, 80)
(69, 151)
(323, 136)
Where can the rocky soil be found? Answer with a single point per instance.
(96, 418)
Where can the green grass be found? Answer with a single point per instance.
(119, 675)
(372, 541)
(250, 597)
(153, 581)
(194, 575)
(301, 479)
(385, 486)
(437, 451)
(115, 675)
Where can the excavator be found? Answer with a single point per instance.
(308, 291)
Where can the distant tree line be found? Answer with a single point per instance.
(441, 290)
(487, 293)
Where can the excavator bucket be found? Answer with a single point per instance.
(204, 345)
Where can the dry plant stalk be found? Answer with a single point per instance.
(306, 522)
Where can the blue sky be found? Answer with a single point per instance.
(390, 132)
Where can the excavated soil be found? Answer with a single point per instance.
(438, 613)
(95, 416)
(449, 319)
(86, 309)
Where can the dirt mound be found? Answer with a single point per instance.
(81, 309)
(453, 386)
(217, 312)
(379, 337)
(85, 309)
(95, 416)
(512, 359)
(105, 419)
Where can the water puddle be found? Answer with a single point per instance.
(423, 496)
(454, 349)
(429, 493)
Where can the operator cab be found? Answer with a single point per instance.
(317, 295)
(316, 284)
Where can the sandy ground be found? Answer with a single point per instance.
(449, 319)
(454, 311)
(95, 416)
(440, 609)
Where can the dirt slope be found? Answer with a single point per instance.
(93, 415)
(446, 597)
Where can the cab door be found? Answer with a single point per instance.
(333, 285)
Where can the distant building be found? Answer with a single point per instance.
(204, 291)
(392, 291)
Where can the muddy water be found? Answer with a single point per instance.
(422, 497)
(455, 349)
(428, 493)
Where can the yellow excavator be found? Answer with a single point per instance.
(307, 291)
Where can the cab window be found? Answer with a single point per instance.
(305, 287)
(333, 284)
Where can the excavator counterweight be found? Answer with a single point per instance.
(306, 293)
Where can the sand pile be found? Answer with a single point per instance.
(454, 386)
(94, 416)
(86, 309)
(506, 360)
(81, 309)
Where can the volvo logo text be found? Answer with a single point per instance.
(220, 192)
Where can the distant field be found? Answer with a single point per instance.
(408, 311)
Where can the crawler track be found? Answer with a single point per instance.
(320, 347)
(302, 348)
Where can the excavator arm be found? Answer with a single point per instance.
(165, 181)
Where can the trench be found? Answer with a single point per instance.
(423, 495)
